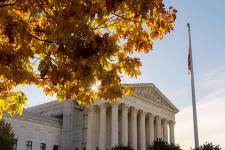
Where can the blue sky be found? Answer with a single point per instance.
(166, 66)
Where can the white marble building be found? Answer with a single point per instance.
(133, 121)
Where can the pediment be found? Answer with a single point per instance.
(150, 92)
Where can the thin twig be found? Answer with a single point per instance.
(103, 22)
(124, 17)
(37, 58)
(39, 4)
(48, 41)
(51, 58)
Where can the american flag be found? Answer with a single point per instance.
(189, 62)
(189, 52)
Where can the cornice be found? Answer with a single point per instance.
(36, 118)
(154, 103)
(51, 104)
(151, 93)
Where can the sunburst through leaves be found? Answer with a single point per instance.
(65, 46)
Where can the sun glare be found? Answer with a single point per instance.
(95, 86)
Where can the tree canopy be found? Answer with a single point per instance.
(67, 46)
(6, 136)
(159, 144)
(209, 146)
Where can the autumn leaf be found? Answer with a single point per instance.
(65, 47)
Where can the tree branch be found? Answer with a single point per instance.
(124, 17)
(48, 41)
(51, 58)
(103, 22)
(6, 5)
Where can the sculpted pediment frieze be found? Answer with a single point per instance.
(151, 93)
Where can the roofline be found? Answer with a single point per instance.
(55, 102)
(169, 101)
(152, 85)
(137, 84)
(154, 103)
(41, 119)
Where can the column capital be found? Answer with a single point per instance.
(114, 105)
(103, 105)
(158, 117)
(151, 115)
(133, 109)
(171, 122)
(165, 120)
(124, 106)
(142, 112)
(92, 108)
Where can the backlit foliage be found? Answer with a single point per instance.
(67, 46)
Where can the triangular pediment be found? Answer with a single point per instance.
(150, 92)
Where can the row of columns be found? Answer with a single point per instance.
(137, 136)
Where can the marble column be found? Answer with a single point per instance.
(171, 126)
(102, 128)
(90, 134)
(158, 127)
(124, 135)
(151, 129)
(165, 130)
(142, 140)
(133, 134)
(114, 125)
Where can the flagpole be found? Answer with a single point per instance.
(193, 92)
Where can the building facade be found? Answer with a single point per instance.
(134, 121)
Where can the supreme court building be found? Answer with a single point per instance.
(134, 121)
